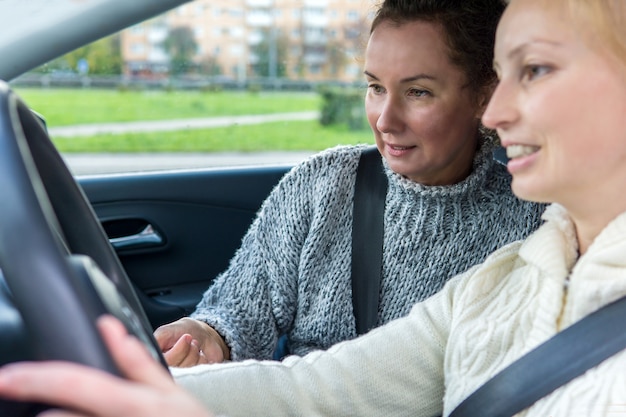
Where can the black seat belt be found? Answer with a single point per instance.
(367, 238)
(559, 360)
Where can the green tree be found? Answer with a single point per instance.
(209, 65)
(181, 46)
(336, 58)
(103, 56)
(271, 53)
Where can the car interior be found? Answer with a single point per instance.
(142, 246)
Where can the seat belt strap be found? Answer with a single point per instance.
(370, 193)
(559, 360)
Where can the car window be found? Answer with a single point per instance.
(210, 83)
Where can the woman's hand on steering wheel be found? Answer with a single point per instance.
(148, 391)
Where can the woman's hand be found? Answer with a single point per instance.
(148, 390)
(188, 342)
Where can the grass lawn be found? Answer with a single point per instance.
(288, 136)
(64, 107)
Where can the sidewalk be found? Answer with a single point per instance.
(181, 124)
(102, 163)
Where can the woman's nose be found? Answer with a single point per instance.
(501, 109)
(390, 117)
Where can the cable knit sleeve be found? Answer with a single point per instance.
(394, 370)
(254, 301)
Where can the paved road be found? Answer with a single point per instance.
(93, 164)
(88, 164)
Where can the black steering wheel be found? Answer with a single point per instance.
(59, 269)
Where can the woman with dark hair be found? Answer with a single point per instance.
(428, 66)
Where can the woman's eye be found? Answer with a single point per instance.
(418, 92)
(376, 89)
(530, 72)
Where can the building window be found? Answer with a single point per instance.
(236, 32)
(352, 15)
(315, 69)
(137, 29)
(138, 48)
(236, 50)
(236, 12)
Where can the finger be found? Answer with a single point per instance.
(213, 352)
(191, 355)
(202, 359)
(196, 356)
(181, 349)
(130, 354)
(66, 385)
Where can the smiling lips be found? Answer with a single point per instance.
(396, 150)
(516, 151)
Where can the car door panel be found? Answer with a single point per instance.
(174, 232)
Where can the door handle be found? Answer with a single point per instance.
(148, 237)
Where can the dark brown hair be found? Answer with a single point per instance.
(469, 25)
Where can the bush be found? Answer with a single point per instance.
(343, 106)
(254, 88)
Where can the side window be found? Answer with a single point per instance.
(209, 85)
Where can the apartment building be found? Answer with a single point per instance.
(241, 39)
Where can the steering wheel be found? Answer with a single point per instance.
(60, 270)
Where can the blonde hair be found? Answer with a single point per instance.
(601, 22)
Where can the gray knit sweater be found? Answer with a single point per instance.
(292, 272)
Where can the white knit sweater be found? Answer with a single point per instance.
(427, 363)
(292, 272)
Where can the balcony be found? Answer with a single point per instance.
(315, 39)
(158, 55)
(255, 38)
(259, 3)
(157, 34)
(314, 20)
(314, 59)
(315, 3)
(259, 20)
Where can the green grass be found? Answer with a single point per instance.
(290, 136)
(64, 107)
